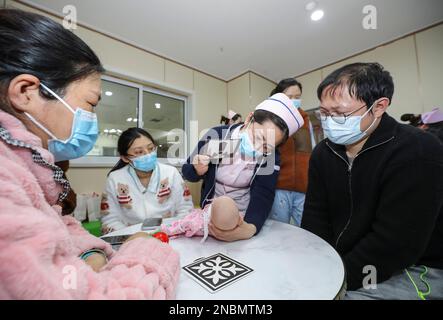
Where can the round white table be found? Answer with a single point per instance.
(289, 263)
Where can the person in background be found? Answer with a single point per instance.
(249, 175)
(231, 118)
(375, 189)
(433, 123)
(140, 187)
(413, 119)
(295, 153)
(49, 87)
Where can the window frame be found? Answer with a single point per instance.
(109, 162)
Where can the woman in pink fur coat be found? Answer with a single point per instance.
(49, 86)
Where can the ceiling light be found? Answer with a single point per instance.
(158, 105)
(129, 119)
(112, 131)
(106, 131)
(108, 93)
(134, 120)
(317, 15)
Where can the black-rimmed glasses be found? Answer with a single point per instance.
(338, 118)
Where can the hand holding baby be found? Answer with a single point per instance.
(227, 223)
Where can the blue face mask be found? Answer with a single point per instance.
(246, 147)
(347, 133)
(145, 163)
(83, 136)
(296, 103)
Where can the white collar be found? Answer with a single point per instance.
(153, 182)
(235, 135)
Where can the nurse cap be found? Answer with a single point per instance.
(280, 105)
(435, 116)
(231, 114)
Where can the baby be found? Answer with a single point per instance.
(222, 213)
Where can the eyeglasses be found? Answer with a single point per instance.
(338, 118)
(142, 152)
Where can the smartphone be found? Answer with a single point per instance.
(116, 240)
(151, 223)
(217, 150)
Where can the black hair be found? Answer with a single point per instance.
(261, 116)
(366, 82)
(224, 120)
(236, 117)
(36, 45)
(285, 84)
(125, 142)
(413, 119)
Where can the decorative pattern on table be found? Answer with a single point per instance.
(216, 272)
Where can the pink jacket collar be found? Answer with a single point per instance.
(43, 174)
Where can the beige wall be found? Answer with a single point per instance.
(260, 89)
(87, 180)
(247, 91)
(430, 62)
(310, 83)
(211, 100)
(416, 64)
(239, 95)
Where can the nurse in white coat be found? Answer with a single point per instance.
(140, 187)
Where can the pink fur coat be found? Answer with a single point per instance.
(39, 248)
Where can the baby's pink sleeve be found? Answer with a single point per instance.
(191, 225)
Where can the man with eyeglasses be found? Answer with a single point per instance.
(375, 190)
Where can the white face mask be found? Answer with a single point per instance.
(347, 133)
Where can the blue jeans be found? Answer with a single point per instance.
(288, 204)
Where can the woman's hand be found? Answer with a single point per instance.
(96, 261)
(201, 164)
(243, 231)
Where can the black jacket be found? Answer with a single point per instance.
(384, 210)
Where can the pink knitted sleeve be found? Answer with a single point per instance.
(145, 268)
(39, 256)
(83, 240)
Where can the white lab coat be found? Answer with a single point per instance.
(130, 202)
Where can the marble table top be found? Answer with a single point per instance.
(289, 264)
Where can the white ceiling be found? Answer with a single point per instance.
(274, 38)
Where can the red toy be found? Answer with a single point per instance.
(163, 237)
